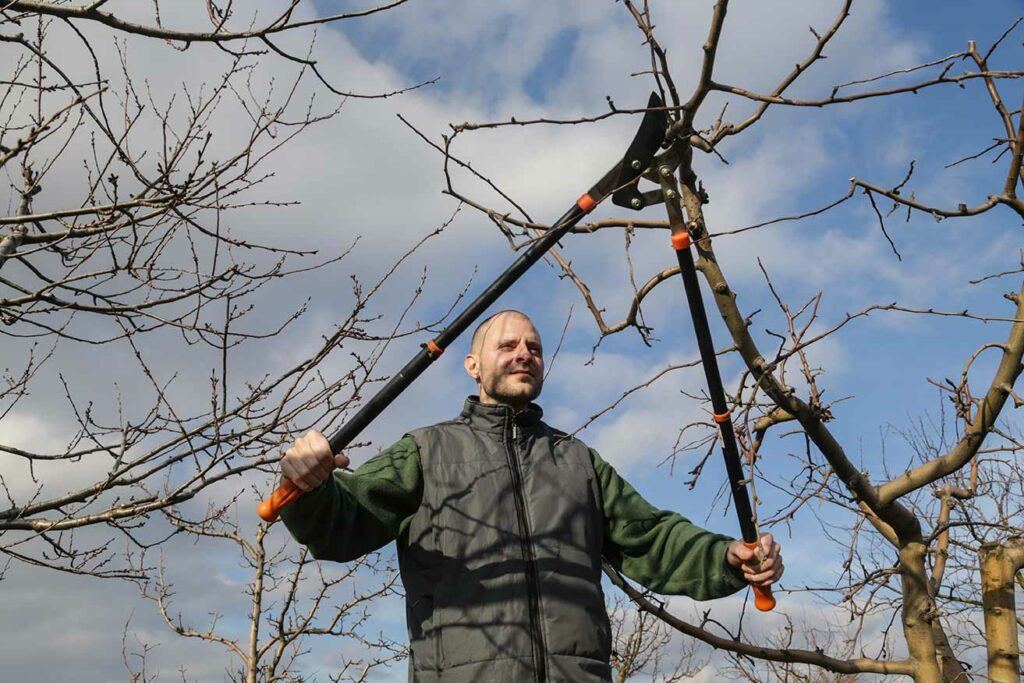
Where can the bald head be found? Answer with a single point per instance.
(483, 328)
(506, 359)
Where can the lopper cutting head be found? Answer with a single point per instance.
(620, 182)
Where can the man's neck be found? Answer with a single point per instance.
(516, 408)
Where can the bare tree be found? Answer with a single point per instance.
(135, 241)
(121, 245)
(292, 598)
(644, 645)
(903, 528)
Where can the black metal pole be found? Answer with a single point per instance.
(681, 241)
(763, 598)
(722, 414)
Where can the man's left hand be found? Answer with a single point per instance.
(757, 571)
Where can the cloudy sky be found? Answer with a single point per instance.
(363, 173)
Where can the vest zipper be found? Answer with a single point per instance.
(526, 540)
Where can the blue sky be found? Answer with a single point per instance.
(365, 173)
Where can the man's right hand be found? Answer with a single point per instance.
(309, 462)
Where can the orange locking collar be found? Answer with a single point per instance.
(681, 241)
(586, 203)
(434, 349)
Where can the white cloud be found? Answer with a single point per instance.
(41, 479)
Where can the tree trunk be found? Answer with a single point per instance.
(918, 614)
(999, 565)
(951, 668)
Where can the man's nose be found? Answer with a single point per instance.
(523, 352)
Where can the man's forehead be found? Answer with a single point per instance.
(507, 333)
(512, 320)
(511, 326)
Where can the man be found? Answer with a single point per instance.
(501, 523)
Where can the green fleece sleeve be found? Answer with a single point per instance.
(350, 515)
(661, 550)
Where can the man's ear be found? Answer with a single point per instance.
(472, 365)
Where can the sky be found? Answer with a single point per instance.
(364, 173)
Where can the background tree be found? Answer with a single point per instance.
(643, 645)
(123, 244)
(136, 245)
(292, 599)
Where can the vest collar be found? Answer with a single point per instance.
(491, 417)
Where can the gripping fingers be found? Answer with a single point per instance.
(765, 572)
(309, 462)
(322, 467)
(761, 580)
(298, 472)
(763, 576)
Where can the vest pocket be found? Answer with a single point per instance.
(423, 637)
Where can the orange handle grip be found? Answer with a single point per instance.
(763, 598)
(283, 495)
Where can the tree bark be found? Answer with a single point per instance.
(999, 565)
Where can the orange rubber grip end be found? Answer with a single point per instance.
(763, 598)
(586, 203)
(724, 417)
(681, 240)
(434, 349)
(271, 507)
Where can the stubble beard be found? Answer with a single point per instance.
(509, 391)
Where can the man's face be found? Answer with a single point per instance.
(508, 363)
